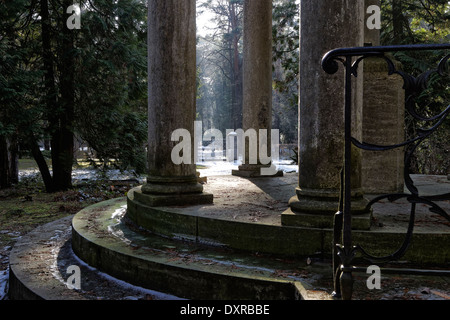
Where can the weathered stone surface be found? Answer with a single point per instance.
(140, 262)
(257, 78)
(254, 171)
(233, 221)
(257, 65)
(38, 263)
(172, 94)
(315, 220)
(171, 72)
(324, 26)
(383, 120)
(383, 124)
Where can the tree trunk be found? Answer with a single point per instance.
(9, 168)
(42, 165)
(62, 138)
(397, 18)
(50, 92)
(60, 113)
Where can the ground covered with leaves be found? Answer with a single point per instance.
(26, 205)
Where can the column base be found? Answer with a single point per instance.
(173, 191)
(319, 213)
(169, 200)
(256, 171)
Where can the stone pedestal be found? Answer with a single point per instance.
(383, 121)
(324, 26)
(383, 124)
(171, 96)
(254, 171)
(257, 81)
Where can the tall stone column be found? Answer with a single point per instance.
(383, 121)
(257, 81)
(325, 25)
(171, 103)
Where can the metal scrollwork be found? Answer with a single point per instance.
(350, 58)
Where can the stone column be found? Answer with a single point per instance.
(171, 103)
(325, 25)
(257, 80)
(383, 121)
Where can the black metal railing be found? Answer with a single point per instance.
(344, 251)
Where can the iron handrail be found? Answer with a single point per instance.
(344, 251)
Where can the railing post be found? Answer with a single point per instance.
(343, 249)
(346, 278)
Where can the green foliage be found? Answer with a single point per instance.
(107, 74)
(112, 101)
(415, 21)
(18, 75)
(421, 22)
(122, 136)
(285, 32)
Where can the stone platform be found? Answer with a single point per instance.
(132, 265)
(246, 215)
(236, 248)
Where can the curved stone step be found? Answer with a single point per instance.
(184, 269)
(38, 270)
(179, 269)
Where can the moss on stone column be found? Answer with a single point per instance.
(324, 26)
(257, 81)
(171, 98)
